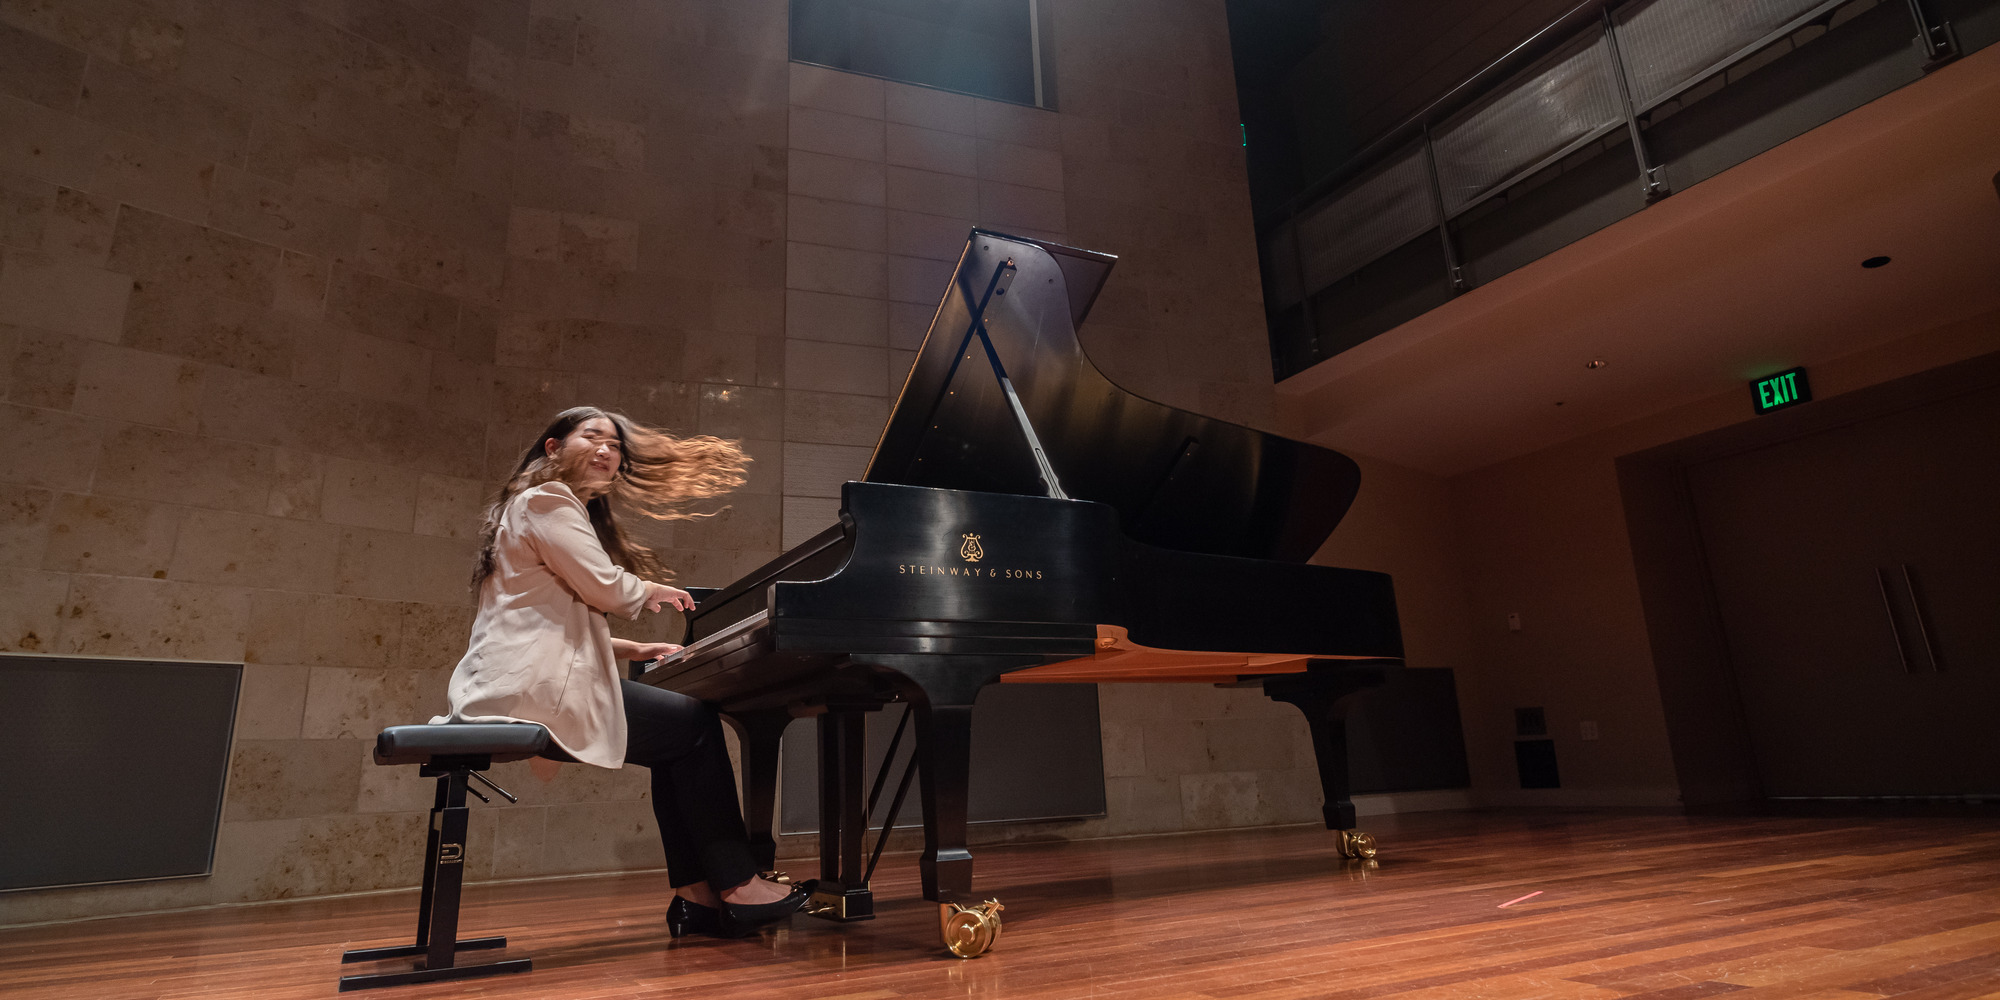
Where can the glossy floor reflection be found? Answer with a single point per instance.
(1617, 905)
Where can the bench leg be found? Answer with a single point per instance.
(442, 802)
(437, 909)
(448, 826)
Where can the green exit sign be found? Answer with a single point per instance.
(1787, 388)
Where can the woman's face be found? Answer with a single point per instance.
(593, 451)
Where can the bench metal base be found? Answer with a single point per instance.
(421, 975)
(437, 943)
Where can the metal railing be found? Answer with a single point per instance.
(1600, 68)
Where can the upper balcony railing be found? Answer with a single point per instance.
(1448, 199)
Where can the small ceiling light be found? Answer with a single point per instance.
(1874, 262)
(1595, 365)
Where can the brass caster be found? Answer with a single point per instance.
(1355, 844)
(969, 931)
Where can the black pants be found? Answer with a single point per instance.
(694, 790)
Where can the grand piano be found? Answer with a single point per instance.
(1025, 520)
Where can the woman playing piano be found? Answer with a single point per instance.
(552, 564)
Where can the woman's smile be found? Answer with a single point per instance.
(598, 439)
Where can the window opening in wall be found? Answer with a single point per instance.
(995, 49)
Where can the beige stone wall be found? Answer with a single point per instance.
(1154, 170)
(285, 287)
(884, 181)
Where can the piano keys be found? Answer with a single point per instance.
(1025, 520)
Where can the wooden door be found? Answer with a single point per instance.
(1857, 574)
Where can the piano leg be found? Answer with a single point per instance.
(944, 737)
(1324, 697)
(843, 819)
(758, 734)
(942, 694)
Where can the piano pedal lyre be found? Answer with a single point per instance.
(1356, 844)
(969, 931)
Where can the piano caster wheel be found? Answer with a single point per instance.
(969, 931)
(1355, 844)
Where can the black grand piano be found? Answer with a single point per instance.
(1025, 520)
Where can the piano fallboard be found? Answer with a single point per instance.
(917, 570)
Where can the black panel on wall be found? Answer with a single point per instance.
(1535, 763)
(1036, 754)
(116, 768)
(1405, 736)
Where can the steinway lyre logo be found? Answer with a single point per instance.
(972, 552)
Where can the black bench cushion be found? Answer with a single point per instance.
(500, 741)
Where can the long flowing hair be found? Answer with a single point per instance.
(658, 476)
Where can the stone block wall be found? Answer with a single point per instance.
(885, 180)
(286, 287)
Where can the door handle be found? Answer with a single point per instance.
(1923, 630)
(1895, 631)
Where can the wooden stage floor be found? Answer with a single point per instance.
(1622, 905)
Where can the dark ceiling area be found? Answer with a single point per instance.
(1268, 38)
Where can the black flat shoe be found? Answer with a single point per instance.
(685, 917)
(809, 885)
(781, 879)
(744, 919)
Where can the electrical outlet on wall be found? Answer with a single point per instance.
(1589, 730)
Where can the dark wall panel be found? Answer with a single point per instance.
(1405, 735)
(116, 768)
(1036, 754)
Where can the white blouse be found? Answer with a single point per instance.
(541, 649)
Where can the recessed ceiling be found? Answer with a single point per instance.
(1751, 272)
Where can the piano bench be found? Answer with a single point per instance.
(453, 754)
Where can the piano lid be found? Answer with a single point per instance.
(1177, 479)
